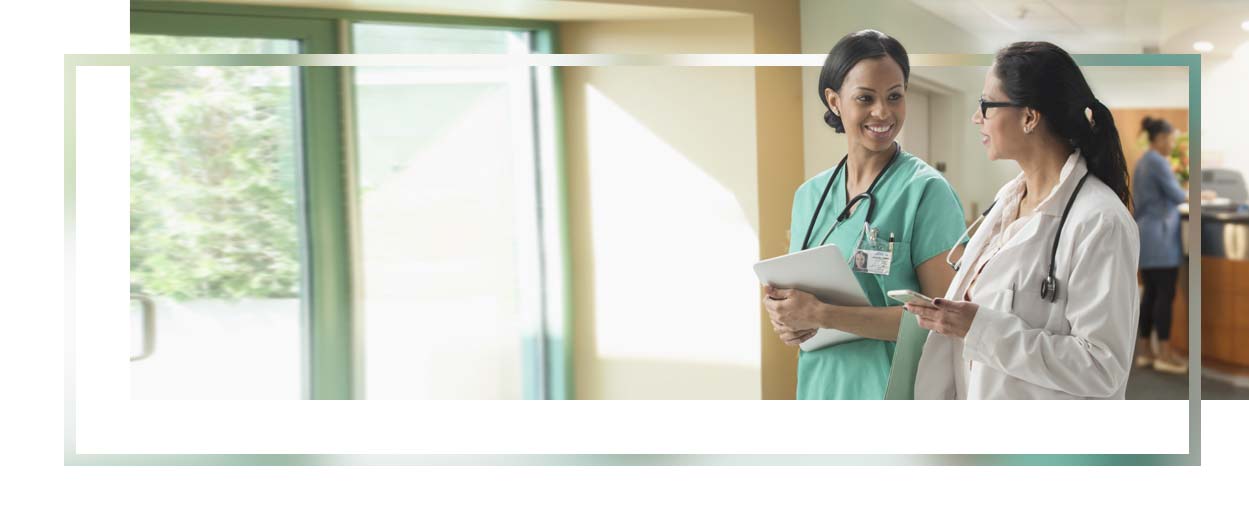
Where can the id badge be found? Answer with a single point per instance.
(872, 256)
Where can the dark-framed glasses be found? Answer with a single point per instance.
(986, 105)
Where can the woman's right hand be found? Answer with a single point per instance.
(772, 300)
(790, 336)
(796, 338)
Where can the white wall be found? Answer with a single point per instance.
(1139, 87)
(915, 136)
(1225, 111)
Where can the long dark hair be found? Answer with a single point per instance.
(1154, 127)
(1043, 77)
(848, 52)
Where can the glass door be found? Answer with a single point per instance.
(448, 203)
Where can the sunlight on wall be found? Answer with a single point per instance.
(672, 250)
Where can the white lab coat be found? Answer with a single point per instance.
(1022, 347)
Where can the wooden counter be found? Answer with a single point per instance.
(1224, 313)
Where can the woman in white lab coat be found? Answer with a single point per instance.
(1016, 324)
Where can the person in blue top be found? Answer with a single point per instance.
(915, 219)
(1157, 196)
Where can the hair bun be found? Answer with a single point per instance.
(833, 121)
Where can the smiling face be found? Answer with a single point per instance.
(872, 103)
(1002, 130)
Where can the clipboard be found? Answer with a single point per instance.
(906, 353)
(823, 272)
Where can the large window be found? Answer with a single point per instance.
(214, 227)
(376, 232)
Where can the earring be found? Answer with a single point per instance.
(835, 112)
(1027, 129)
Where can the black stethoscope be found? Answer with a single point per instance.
(1049, 286)
(846, 212)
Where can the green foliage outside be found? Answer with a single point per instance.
(212, 175)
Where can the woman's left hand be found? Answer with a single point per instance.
(949, 318)
(793, 308)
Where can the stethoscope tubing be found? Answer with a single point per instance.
(1049, 286)
(846, 211)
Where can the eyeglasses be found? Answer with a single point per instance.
(986, 105)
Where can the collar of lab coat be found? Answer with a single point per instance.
(1007, 198)
(1056, 201)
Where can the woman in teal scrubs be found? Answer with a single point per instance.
(863, 86)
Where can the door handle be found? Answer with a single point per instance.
(149, 325)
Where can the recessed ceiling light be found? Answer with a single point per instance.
(1203, 46)
(1245, 25)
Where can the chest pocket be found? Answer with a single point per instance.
(1041, 313)
(1002, 300)
(901, 272)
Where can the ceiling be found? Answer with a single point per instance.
(1081, 26)
(558, 10)
(1107, 26)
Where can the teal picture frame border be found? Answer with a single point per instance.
(1192, 458)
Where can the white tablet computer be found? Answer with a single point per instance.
(824, 273)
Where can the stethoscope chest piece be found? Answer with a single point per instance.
(1049, 289)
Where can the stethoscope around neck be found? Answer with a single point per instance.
(1049, 286)
(865, 196)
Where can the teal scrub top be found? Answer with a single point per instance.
(915, 203)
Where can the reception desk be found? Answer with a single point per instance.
(1224, 292)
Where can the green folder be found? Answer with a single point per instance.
(905, 359)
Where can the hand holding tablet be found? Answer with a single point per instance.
(821, 272)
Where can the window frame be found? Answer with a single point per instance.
(331, 321)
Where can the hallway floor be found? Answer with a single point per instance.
(1147, 384)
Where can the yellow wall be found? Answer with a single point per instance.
(679, 179)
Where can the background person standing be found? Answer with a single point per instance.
(1157, 196)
